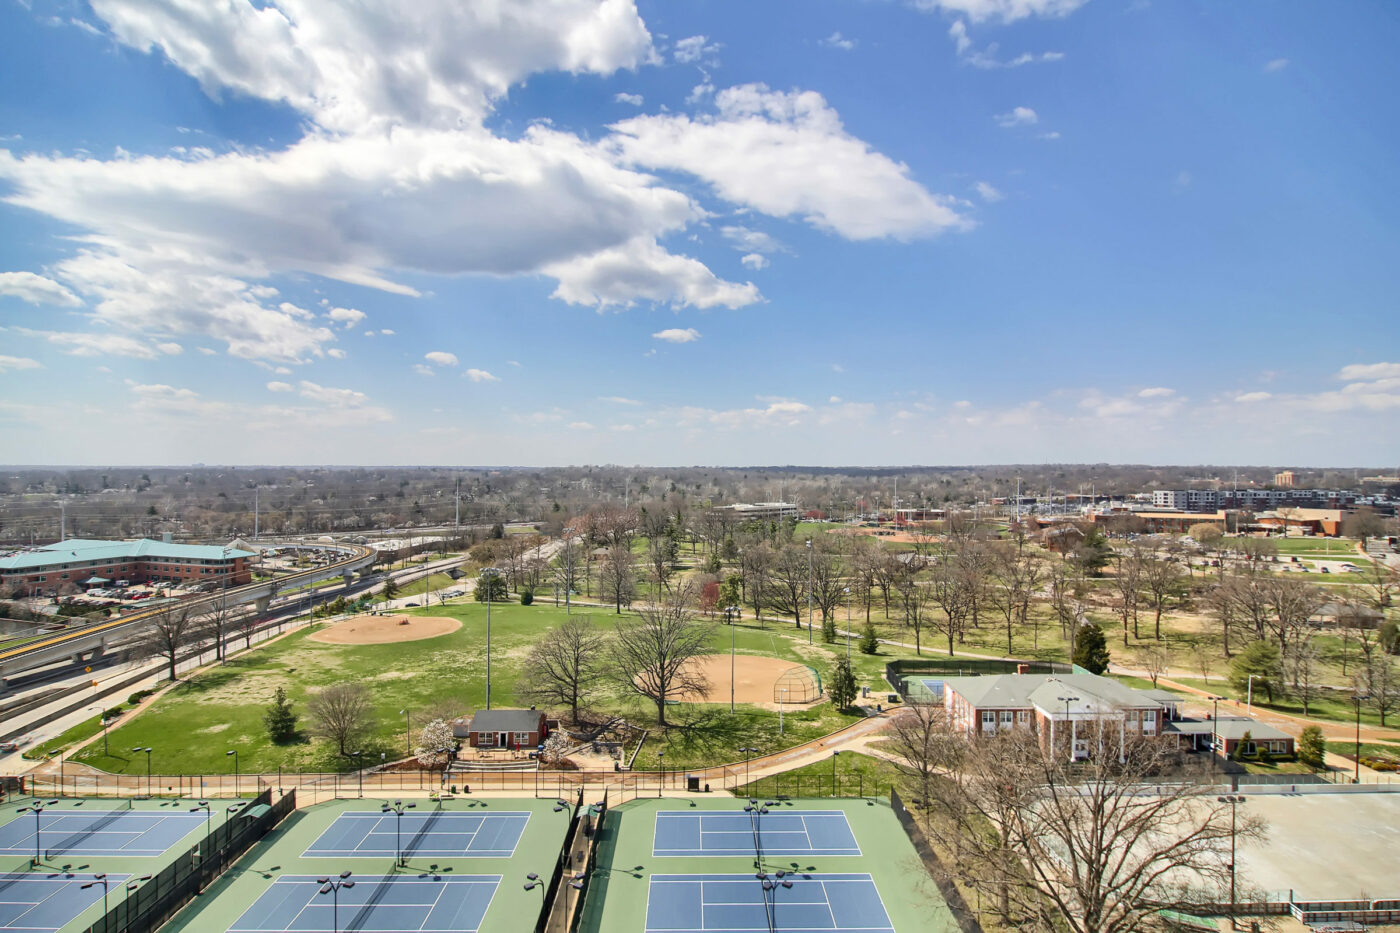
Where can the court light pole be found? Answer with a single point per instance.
(834, 753)
(809, 591)
(729, 617)
(131, 885)
(147, 750)
(407, 730)
(36, 807)
(359, 770)
(1070, 722)
(101, 879)
(332, 887)
(1233, 800)
(660, 775)
(208, 826)
(491, 573)
(234, 753)
(747, 753)
(398, 809)
(846, 591)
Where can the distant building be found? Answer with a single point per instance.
(79, 561)
(1285, 478)
(504, 728)
(760, 511)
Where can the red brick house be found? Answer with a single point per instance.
(504, 728)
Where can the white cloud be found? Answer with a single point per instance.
(787, 154)
(643, 270)
(989, 193)
(677, 335)
(1358, 372)
(755, 261)
(699, 93)
(580, 426)
(279, 387)
(170, 348)
(441, 358)
(694, 48)
(619, 400)
(423, 369)
(1003, 11)
(1053, 134)
(206, 351)
(374, 63)
(1276, 65)
(622, 97)
(160, 390)
(1019, 116)
(334, 398)
(36, 289)
(388, 332)
(480, 375)
(10, 364)
(336, 353)
(84, 344)
(346, 316)
(1156, 392)
(988, 57)
(1248, 397)
(1182, 180)
(746, 240)
(838, 41)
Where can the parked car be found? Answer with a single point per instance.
(9, 746)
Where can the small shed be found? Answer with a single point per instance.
(507, 728)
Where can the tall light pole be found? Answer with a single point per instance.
(1233, 800)
(809, 591)
(101, 879)
(489, 574)
(208, 827)
(660, 774)
(407, 730)
(234, 753)
(846, 592)
(1249, 697)
(398, 809)
(1214, 728)
(131, 885)
(748, 753)
(332, 887)
(729, 616)
(1067, 701)
(359, 769)
(1357, 699)
(834, 753)
(782, 701)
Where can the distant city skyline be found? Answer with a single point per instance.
(941, 232)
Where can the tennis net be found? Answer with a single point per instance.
(119, 807)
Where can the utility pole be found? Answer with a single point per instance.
(255, 513)
(457, 512)
(62, 520)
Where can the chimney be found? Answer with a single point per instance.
(1023, 668)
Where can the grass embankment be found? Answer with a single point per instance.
(857, 774)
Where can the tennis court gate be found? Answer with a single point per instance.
(148, 907)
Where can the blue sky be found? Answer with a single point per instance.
(837, 232)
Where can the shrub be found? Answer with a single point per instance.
(114, 712)
(138, 696)
(869, 641)
(1312, 747)
(527, 597)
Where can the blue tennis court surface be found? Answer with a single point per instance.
(726, 832)
(435, 833)
(45, 902)
(797, 903)
(145, 833)
(387, 904)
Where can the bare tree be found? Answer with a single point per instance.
(947, 589)
(1377, 679)
(568, 565)
(566, 666)
(1300, 664)
(920, 736)
(1081, 848)
(1154, 660)
(788, 591)
(755, 571)
(341, 713)
(1127, 583)
(913, 606)
(1162, 580)
(171, 632)
(653, 654)
(618, 576)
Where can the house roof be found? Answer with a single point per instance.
(506, 720)
(1227, 727)
(1090, 692)
(84, 549)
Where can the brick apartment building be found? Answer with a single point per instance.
(82, 561)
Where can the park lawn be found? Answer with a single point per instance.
(1322, 547)
(193, 725)
(857, 774)
(1368, 750)
(1336, 707)
(705, 735)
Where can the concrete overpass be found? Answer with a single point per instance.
(82, 646)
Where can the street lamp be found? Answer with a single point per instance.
(782, 701)
(1214, 727)
(147, 750)
(660, 775)
(407, 730)
(332, 887)
(131, 885)
(234, 753)
(533, 881)
(1358, 699)
(1249, 696)
(359, 769)
(397, 809)
(1067, 701)
(729, 616)
(1233, 800)
(747, 753)
(36, 807)
(208, 829)
(834, 753)
(846, 592)
(101, 879)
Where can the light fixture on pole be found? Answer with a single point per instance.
(660, 774)
(36, 807)
(748, 752)
(332, 887)
(234, 753)
(489, 575)
(398, 809)
(407, 730)
(101, 879)
(846, 591)
(1214, 727)
(730, 614)
(834, 753)
(1067, 701)
(1358, 699)
(1233, 800)
(148, 767)
(809, 591)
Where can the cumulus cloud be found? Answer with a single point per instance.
(580, 426)
(989, 193)
(36, 289)
(746, 240)
(678, 335)
(1358, 372)
(1276, 65)
(279, 387)
(786, 154)
(754, 261)
(480, 375)
(619, 400)
(988, 57)
(838, 41)
(441, 358)
(349, 317)
(643, 270)
(334, 398)
(1018, 116)
(336, 353)
(97, 344)
(1248, 397)
(10, 364)
(622, 97)
(694, 48)
(170, 348)
(1156, 392)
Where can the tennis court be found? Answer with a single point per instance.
(777, 832)
(35, 902)
(84, 832)
(425, 903)
(793, 903)
(432, 833)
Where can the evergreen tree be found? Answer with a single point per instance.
(391, 588)
(1262, 660)
(280, 719)
(1091, 649)
(869, 641)
(491, 587)
(828, 629)
(842, 688)
(1312, 748)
